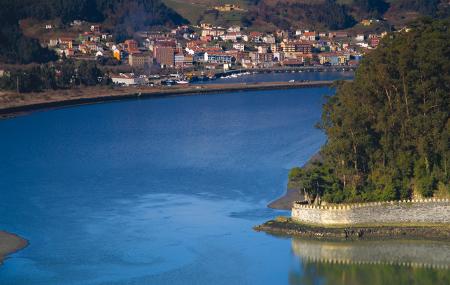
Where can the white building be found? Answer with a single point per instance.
(128, 79)
(359, 38)
(239, 46)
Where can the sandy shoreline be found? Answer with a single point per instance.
(292, 194)
(13, 104)
(10, 243)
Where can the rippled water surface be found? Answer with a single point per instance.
(162, 191)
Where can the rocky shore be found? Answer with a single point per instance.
(10, 243)
(286, 226)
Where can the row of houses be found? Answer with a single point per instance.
(207, 46)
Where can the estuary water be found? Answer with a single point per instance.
(166, 191)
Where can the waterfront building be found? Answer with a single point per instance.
(128, 79)
(218, 57)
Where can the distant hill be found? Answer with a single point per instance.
(324, 14)
(123, 17)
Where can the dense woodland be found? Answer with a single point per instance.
(124, 16)
(51, 76)
(388, 130)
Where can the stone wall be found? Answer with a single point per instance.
(393, 212)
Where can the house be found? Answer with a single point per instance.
(333, 58)
(128, 79)
(338, 35)
(228, 8)
(287, 46)
(256, 36)
(309, 36)
(117, 54)
(303, 47)
(299, 46)
(278, 56)
(182, 60)
(138, 59)
(263, 48)
(95, 28)
(106, 37)
(293, 63)
(239, 46)
(53, 43)
(68, 42)
(233, 36)
(269, 39)
(359, 37)
(366, 22)
(131, 46)
(218, 57)
(234, 29)
(214, 32)
(260, 58)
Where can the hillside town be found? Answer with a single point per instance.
(193, 52)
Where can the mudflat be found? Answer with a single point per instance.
(10, 243)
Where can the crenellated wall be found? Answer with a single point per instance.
(393, 212)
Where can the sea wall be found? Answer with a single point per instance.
(426, 211)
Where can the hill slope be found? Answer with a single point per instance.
(323, 14)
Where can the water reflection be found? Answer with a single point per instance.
(371, 262)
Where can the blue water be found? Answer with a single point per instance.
(154, 191)
(160, 191)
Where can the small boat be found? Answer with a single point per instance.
(182, 82)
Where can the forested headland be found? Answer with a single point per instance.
(388, 130)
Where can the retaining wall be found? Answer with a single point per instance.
(394, 212)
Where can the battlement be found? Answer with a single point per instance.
(298, 204)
